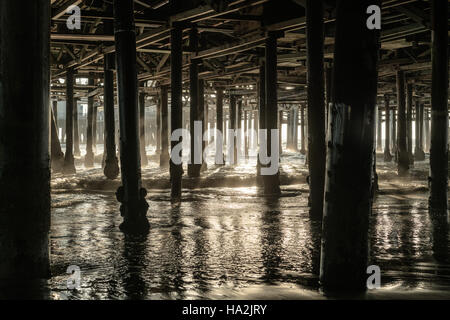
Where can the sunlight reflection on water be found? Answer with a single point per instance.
(229, 242)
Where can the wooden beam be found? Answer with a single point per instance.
(162, 62)
(416, 15)
(82, 37)
(231, 48)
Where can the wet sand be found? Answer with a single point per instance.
(226, 241)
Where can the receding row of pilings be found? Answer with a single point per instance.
(389, 115)
(342, 184)
(97, 124)
(150, 129)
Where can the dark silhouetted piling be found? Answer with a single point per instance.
(203, 116)
(387, 130)
(289, 131)
(419, 155)
(295, 129)
(111, 165)
(194, 168)
(94, 129)
(302, 130)
(233, 127)
(245, 134)
(176, 170)
(219, 125)
(69, 162)
(144, 160)
(158, 125)
(348, 200)
(316, 107)
(239, 129)
(24, 143)
(262, 109)
(426, 129)
(439, 110)
(271, 182)
(394, 135)
(56, 154)
(409, 117)
(131, 195)
(164, 156)
(378, 133)
(402, 144)
(76, 131)
(280, 126)
(89, 157)
(328, 89)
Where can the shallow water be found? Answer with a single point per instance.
(231, 243)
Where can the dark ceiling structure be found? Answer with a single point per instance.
(231, 43)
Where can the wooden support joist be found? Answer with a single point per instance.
(239, 17)
(391, 70)
(396, 44)
(232, 7)
(390, 34)
(67, 49)
(214, 75)
(162, 62)
(99, 91)
(152, 36)
(288, 24)
(143, 3)
(233, 48)
(395, 3)
(154, 50)
(81, 37)
(215, 30)
(97, 54)
(192, 13)
(415, 14)
(142, 64)
(205, 12)
(95, 92)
